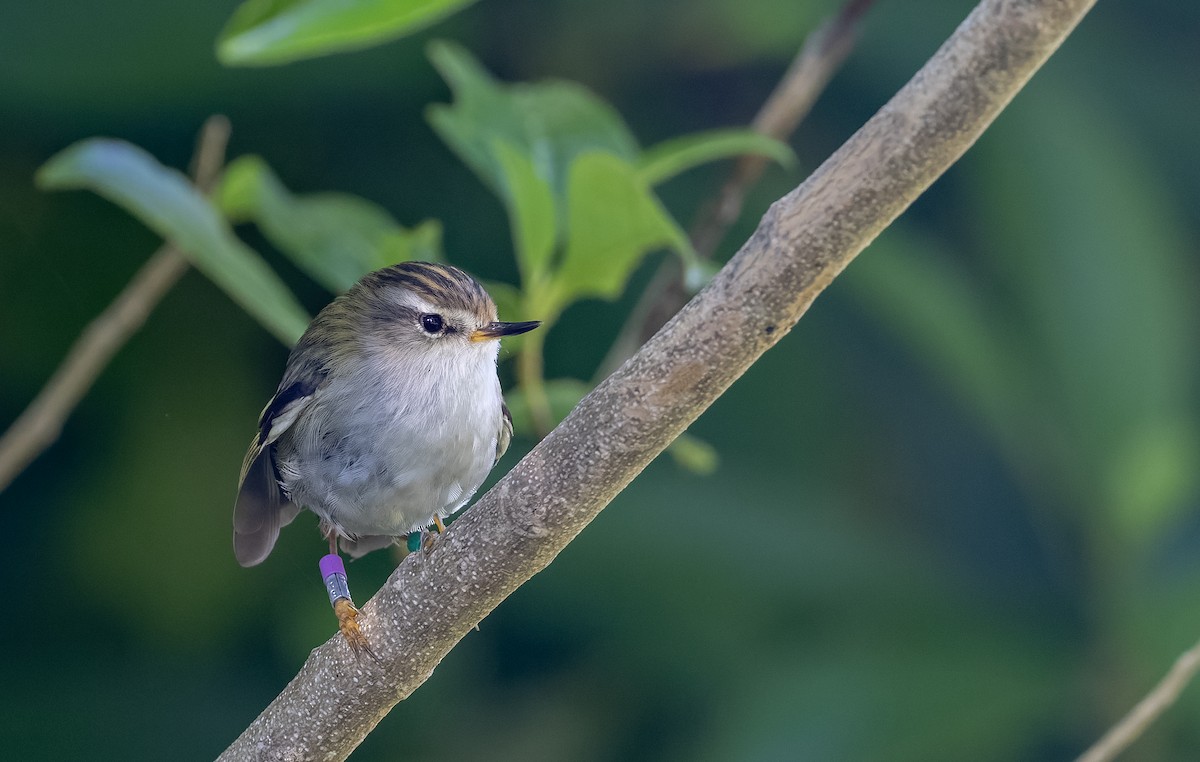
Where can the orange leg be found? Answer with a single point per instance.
(347, 616)
(334, 572)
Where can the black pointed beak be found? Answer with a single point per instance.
(499, 330)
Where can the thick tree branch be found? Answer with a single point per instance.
(40, 423)
(433, 599)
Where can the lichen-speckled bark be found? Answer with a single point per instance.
(806, 238)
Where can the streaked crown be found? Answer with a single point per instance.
(445, 286)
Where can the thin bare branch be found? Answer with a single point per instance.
(1146, 711)
(822, 53)
(434, 599)
(39, 425)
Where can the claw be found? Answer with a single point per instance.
(347, 616)
(333, 571)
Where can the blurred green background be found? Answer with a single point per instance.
(956, 510)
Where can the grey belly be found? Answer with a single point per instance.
(391, 486)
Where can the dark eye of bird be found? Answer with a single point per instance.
(431, 323)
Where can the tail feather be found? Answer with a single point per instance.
(261, 509)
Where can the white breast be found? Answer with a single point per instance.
(390, 447)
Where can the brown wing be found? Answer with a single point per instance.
(504, 436)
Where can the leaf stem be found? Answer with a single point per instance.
(531, 377)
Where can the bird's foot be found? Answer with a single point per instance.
(347, 616)
(429, 538)
(334, 573)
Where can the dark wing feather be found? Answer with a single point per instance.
(281, 410)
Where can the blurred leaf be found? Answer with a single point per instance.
(531, 211)
(511, 306)
(168, 204)
(564, 394)
(1091, 245)
(1083, 377)
(671, 157)
(509, 303)
(336, 238)
(613, 221)
(1153, 477)
(694, 454)
(549, 122)
(270, 32)
(926, 301)
(923, 683)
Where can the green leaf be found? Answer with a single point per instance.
(613, 221)
(270, 32)
(530, 210)
(564, 394)
(537, 147)
(694, 454)
(550, 122)
(1153, 477)
(336, 238)
(671, 157)
(168, 204)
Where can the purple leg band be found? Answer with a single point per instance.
(332, 564)
(333, 571)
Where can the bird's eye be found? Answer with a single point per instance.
(431, 323)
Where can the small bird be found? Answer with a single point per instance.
(387, 420)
